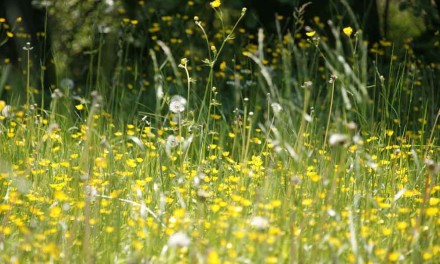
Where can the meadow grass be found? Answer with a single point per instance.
(284, 151)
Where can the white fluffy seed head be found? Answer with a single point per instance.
(179, 239)
(259, 223)
(337, 139)
(276, 108)
(177, 104)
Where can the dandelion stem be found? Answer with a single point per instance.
(329, 114)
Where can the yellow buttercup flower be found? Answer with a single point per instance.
(347, 31)
(216, 3)
(310, 33)
(2, 105)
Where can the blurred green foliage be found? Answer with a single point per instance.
(107, 45)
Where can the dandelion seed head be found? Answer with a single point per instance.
(67, 83)
(337, 139)
(202, 194)
(57, 94)
(7, 111)
(308, 117)
(433, 167)
(307, 85)
(179, 239)
(333, 78)
(103, 29)
(352, 126)
(295, 180)
(177, 104)
(259, 223)
(276, 108)
(90, 192)
(172, 142)
(28, 46)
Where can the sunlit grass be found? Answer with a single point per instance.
(296, 151)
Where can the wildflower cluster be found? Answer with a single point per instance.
(245, 151)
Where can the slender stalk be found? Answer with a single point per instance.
(332, 94)
(29, 94)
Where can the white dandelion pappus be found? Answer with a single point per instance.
(259, 223)
(179, 239)
(177, 104)
(338, 139)
(276, 108)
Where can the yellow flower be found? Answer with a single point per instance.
(386, 231)
(310, 33)
(307, 202)
(427, 256)
(131, 163)
(51, 249)
(2, 105)
(184, 61)
(213, 257)
(223, 66)
(432, 211)
(393, 256)
(79, 107)
(402, 225)
(60, 196)
(55, 212)
(101, 162)
(347, 31)
(433, 201)
(216, 3)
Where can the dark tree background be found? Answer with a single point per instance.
(365, 13)
(62, 33)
